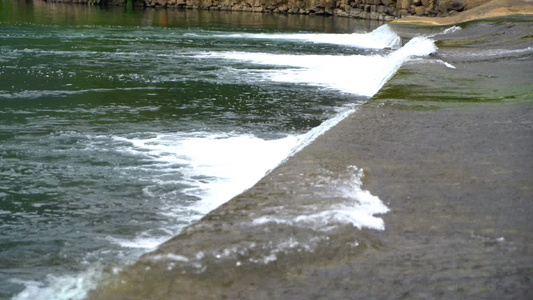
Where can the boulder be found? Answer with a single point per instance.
(403, 4)
(469, 4)
(445, 6)
(381, 9)
(420, 10)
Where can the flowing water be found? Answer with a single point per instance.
(120, 127)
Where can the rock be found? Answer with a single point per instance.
(403, 4)
(402, 13)
(341, 13)
(283, 8)
(445, 6)
(420, 10)
(469, 4)
(356, 12)
(365, 9)
(381, 9)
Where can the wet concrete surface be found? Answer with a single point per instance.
(456, 175)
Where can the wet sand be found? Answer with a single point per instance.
(449, 151)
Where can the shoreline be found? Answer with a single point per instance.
(432, 13)
(452, 162)
(490, 10)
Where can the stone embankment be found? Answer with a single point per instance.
(385, 10)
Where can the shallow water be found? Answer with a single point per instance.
(120, 127)
(455, 180)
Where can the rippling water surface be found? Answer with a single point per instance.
(118, 128)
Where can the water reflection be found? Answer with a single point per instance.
(41, 12)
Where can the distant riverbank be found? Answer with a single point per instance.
(438, 11)
(445, 145)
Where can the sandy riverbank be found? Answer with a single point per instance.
(491, 9)
(448, 150)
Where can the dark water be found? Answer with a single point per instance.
(119, 127)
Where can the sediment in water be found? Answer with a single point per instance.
(448, 150)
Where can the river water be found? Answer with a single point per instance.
(120, 127)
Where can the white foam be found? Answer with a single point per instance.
(339, 72)
(170, 256)
(215, 166)
(62, 287)
(311, 135)
(140, 242)
(34, 94)
(451, 29)
(357, 207)
(382, 37)
(448, 65)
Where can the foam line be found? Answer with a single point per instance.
(382, 37)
